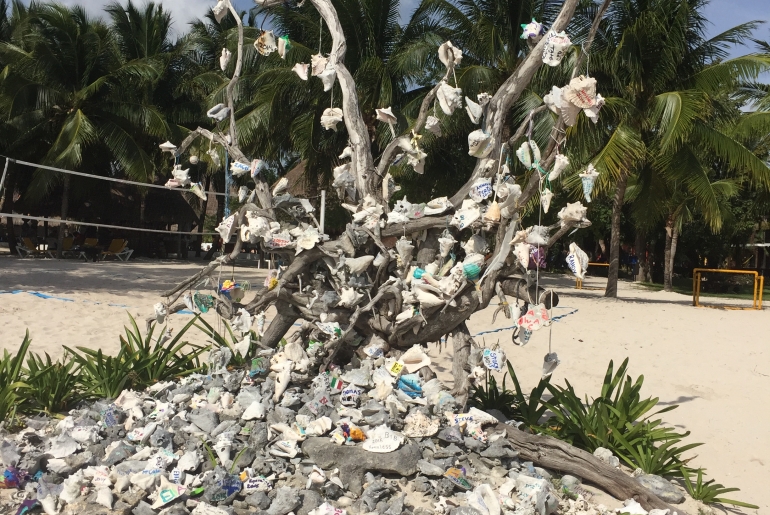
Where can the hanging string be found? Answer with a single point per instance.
(320, 34)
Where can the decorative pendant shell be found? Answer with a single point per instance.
(284, 45)
(328, 76)
(573, 213)
(224, 59)
(535, 151)
(243, 194)
(466, 215)
(308, 239)
(523, 153)
(559, 165)
(301, 69)
(589, 178)
(556, 46)
(493, 212)
(521, 251)
(577, 261)
(481, 189)
(480, 144)
(545, 199)
(531, 30)
(550, 362)
(404, 248)
(432, 125)
(581, 91)
(219, 112)
(445, 245)
(437, 206)
(265, 43)
(331, 117)
(449, 55)
(474, 110)
(449, 98)
(317, 64)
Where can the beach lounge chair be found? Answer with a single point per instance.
(29, 249)
(66, 248)
(118, 248)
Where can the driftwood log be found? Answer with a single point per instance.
(553, 454)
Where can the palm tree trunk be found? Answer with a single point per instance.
(617, 208)
(65, 202)
(10, 188)
(667, 256)
(640, 249)
(674, 241)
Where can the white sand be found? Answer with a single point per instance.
(713, 363)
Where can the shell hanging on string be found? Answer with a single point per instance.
(449, 55)
(226, 228)
(328, 76)
(181, 176)
(589, 178)
(538, 235)
(301, 69)
(238, 168)
(404, 248)
(347, 153)
(535, 318)
(317, 64)
(265, 43)
(574, 214)
(350, 298)
(521, 251)
(493, 212)
(476, 244)
(550, 362)
(243, 194)
(559, 165)
(556, 46)
(593, 112)
(167, 147)
(581, 91)
(198, 191)
(417, 161)
(308, 239)
(523, 153)
(445, 244)
(220, 10)
(386, 115)
(553, 99)
(468, 213)
(331, 117)
(219, 112)
(432, 125)
(535, 151)
(480, 144)
(545, 199)
(577, 261)
(437, 206)
(256, 167)
(224, 59)
(214, 155)
(284, 45)
(519, 237)
(474, 110)
(449, 98)
(481, 189)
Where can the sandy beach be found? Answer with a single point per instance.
(713, 363)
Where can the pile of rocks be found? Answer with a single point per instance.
(374, 437)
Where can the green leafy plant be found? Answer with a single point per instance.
(708, 491)
(531, 409)
(54, 387)
(12, 385)
(103, 376)
(488, 396)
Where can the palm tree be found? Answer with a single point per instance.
(675, 85)
(64, 94)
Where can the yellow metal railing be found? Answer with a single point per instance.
(579, 282)
(759, 285)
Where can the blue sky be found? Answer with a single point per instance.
(723, 14)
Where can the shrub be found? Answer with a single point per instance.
(54, 387)
(707, 491)
(12, 384)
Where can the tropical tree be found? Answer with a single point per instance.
(63, 95)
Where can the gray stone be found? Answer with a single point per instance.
(80, 460)
(543, 473)
(143, 509)
(333, 491)
(245, 458)
(258, 500)
(464, 510)
(205, 419)
(607, 457)
(353, 462)
(119, 453)
(451, 434)
(473, 444)
(429, 469)
(374, 493)
(285, 501)
(447, 452)
(445, 487)
(498, 450)
(396, 506)
(662, 488)
(161, 438)
(421, 484)
(258, 438)
(133, 496)
(309, 500)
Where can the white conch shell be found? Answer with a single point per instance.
(280, 186)
(197, 189)
(545, 199)
(426, 299)
(242, 321)
(359, 265)
(328, 76)
(476, 244)
(331, 117)
(432, 125)
(550, 362)
(559, 165)
(573, 213)
(445, 244)
(538, 235)
(160, 312)
(480, 144)
(226, 228)
(524, 156)
(449, 54)
(308, 239)
(521, 251)
(350, 297)
(220, 10)
(181, 175)
(416, 160)
(282, 378)
(386, 115)
(238, 168)
(265, 43)
(569, 112)
(581, 91)
(243, 194)
(437, 206)
(577, 260)
(219, 112)
(449, 98)
(535, 151)
(317, 64)
(301, 69)
(225, 58)
(593, 112)
(493, 212)
(553, 99)
(589, 177)
(555, 49)
(405, 248)
(468, 213)
(167, 147)
(347, 153)
(474, 110)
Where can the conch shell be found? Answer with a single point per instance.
(404, 248)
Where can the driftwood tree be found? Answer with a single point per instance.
(339, 288)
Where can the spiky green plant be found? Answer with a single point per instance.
(12, 384)
(707, 491)
(54, 386)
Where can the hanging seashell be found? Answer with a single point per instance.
(328, 76)
(359, 265)
(220, 10)
(238, 168)
(181, 176)
(167, 147)
(219, 112)
(242, 321)
(301, 69)
(426, 299)
(520, 236)
(577, 261)
(284, 45)
(481, 189)
(556, 46)
(569, 113)
(535, 151)
(550, 362)
(307, 240)
(214, 155)
(574, 214)
(197, 189)
(553, 100)
(476, 244)
(445, 244)
(404, 248)
(480, 144)
(493, 213)
(437, 206)
(226, 228)
(331, 117)
(225, 58)
(589, 178)
(417, 160)
(474, 110)
(449, 54)
(265, 43)
(432, 125)
(317, 64)
(483, 98)
(535, 318)
(160, 312)
(243, 194)
(350, 298)
(524, 156)
(521, 251)
(559, 165)
(581, 91)
(449, 98)
(256, 166)
(531, 30)
(593, 112)
(545, 199)
(468, 213)
(538, 235)
(386, 116)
